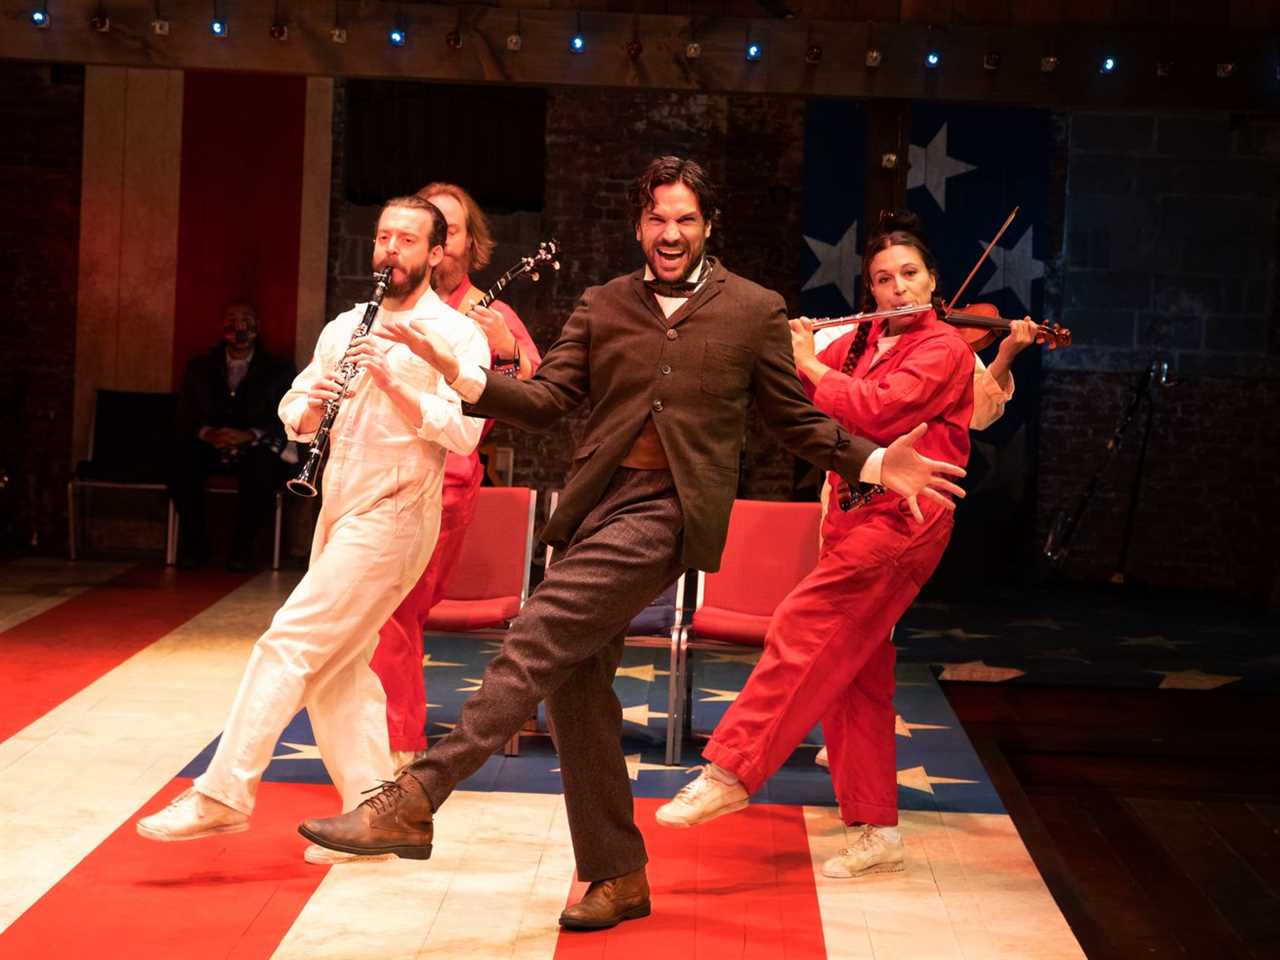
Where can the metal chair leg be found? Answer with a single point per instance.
(71, 519)
(171, 536)
(275, 550)
(674, 688)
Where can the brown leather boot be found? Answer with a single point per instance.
(608, 902)
(396, 819)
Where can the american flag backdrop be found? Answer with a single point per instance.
(967, 168)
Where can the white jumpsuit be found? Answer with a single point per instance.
(376, 530)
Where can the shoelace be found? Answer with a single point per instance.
(861, 841)
(387, 795)
(695, 786)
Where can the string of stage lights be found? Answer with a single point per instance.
(753, 49)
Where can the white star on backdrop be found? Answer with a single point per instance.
(838, 264)
(1193, 679)
(931, 168)
(1155, 640)
(640, 714)
(1015, 269)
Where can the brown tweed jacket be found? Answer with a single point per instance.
(694, 374)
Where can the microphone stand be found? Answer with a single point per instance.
(1058, 544)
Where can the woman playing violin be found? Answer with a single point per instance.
(828, 654)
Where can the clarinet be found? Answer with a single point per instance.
(304, 484)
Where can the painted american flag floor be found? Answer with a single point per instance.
(118, 679)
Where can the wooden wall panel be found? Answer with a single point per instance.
(313, 259)
(128, 234)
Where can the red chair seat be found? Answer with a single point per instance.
(729, 626)
(490, 613)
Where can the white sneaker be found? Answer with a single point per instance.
(872, 850)
(325, 857)
(701, 800)
(191, 816)
(821, 759)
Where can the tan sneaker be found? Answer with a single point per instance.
(323, 856)
(872, 850)
(191, 816)
(701, 800)
(821, 758)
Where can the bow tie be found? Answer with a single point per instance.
(681, 288)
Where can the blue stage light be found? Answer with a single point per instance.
(40, 18)
(577, 43)
(1108, 65)
(754, 51)
(397, 37)
(932, 59)
(218, 28)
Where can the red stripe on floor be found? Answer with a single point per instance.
(741, 886)
(232, 896)
(55, 654)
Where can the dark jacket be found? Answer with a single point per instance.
(205, 400)
(694, 374)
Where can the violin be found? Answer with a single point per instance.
(980, 324)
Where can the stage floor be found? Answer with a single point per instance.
(116, 682)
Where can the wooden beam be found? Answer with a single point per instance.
(544, 58)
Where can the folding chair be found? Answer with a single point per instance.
(490, 581)
(131, 444)
(770, 548)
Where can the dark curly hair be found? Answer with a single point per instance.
(669, 169)
(896, 229)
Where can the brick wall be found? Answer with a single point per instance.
(1170, 253)
(41, 113)
(596, 141)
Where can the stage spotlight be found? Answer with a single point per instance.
(634, 48)
(874, 57)
(218, 28)
(932, 59)
(100, 22)
(991, 60)
(813, 54)
(453, 40)
(160, 27)
(514, 42)
(1225, 70)
(753, 51)
(1108, 65)
(578, 43)
(338, 35)
(279, 31)
(397, 37)
(40, 19)
(692, 50)
(1048, 64)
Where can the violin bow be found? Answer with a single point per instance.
(985, 253)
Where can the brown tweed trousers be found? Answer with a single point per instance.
(624, 535)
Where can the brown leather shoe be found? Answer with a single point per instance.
(608, 902)
(396, 819)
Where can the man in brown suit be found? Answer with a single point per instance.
(669, 358)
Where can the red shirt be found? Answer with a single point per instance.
(460, 471)
(926, 377)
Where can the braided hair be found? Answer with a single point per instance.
(896, 229)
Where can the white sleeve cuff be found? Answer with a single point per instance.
(871, 468)
(470, 382)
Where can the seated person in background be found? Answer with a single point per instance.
(227, 424)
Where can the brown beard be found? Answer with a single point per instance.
(410, 283)
(447, 276)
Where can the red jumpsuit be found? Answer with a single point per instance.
(828, 655)
(398, 658)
